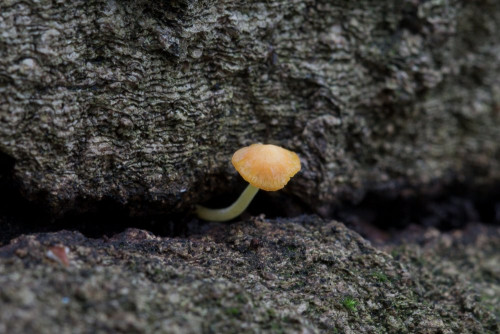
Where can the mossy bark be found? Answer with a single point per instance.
(146, 101)
(303, 275)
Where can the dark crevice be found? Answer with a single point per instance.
(104, 218)
(444, 208)
(15, 211)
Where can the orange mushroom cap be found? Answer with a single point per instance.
(268, 167)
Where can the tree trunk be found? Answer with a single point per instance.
(145, 101)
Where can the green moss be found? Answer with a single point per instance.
(241, 298)
(350, 304)
(277, 328)
(488, 303)
(380, 276)
(271, 313)
(233, 311)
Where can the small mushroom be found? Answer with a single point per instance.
(266, 167)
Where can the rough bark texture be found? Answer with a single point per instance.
(146, 101)
(304, 275)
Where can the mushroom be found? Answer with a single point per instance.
(266, 167)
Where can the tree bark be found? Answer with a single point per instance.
(145, 101)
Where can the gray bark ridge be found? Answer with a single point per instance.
(145, 101)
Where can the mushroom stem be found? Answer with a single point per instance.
(232, 211)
